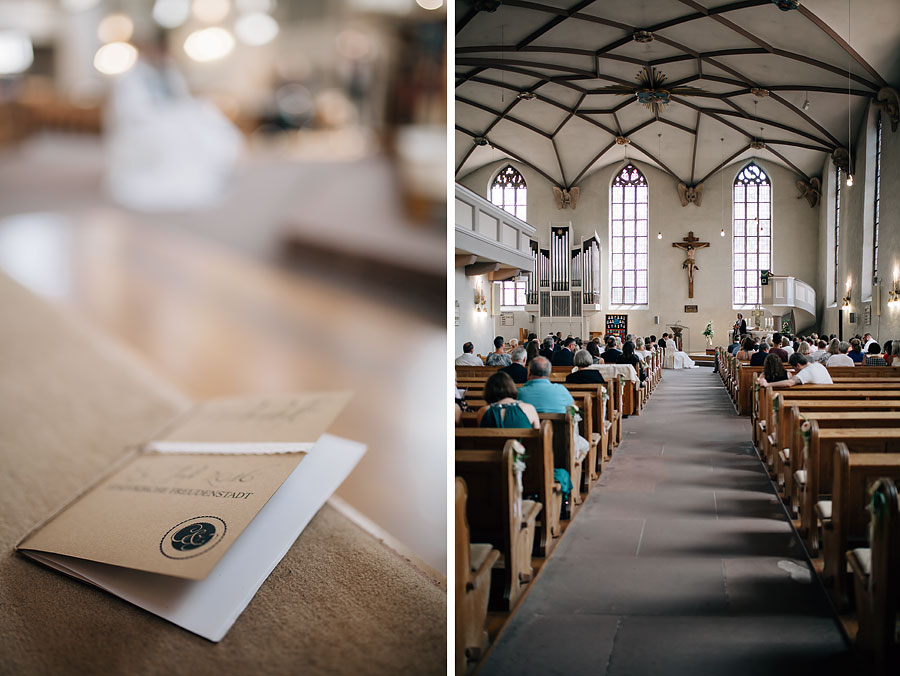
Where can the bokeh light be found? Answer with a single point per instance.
(171, 13)
(256, 29)
(115, 58)
(209, 44)
(211, 11)
(16, 52)
(116, 27)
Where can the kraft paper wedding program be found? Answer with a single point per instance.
(173, 514)
(177, 507)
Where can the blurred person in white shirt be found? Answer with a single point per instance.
(467, 358)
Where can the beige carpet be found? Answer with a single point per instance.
(339, 602)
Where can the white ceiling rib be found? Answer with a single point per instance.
(567, 54)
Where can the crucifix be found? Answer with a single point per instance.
(689, 245)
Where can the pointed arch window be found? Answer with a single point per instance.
(509, 192)
(752, 234)
(629, 208)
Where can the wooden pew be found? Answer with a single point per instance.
(745, 375)
(564, 451)
(816, 475)
(604, 406)
(474, 563)
(580, 473)
(602, 416)
(876, 580)
(537, 478)
(826, 419)
(631, 391)
(499, 515)
(778, 415)
(844, 519)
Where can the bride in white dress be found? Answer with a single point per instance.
(675, 358)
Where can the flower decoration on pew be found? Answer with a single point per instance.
(575, 412)
(876, 507)
(519, 469)
(805, 431)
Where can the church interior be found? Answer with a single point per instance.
(203, 199)
(687, 188)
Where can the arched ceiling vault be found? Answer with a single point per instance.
(554, 83)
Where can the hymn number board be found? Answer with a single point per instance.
(617, 325)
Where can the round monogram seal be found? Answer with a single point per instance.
(192, 538)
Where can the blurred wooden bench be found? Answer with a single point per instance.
(538, 476)
(473, 584)
(844, 519)
(499, 515)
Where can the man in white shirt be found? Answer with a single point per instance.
(867, 340)
(467, 358)
(841, 359)
(806, 373)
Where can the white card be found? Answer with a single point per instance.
(209, 607)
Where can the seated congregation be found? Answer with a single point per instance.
(825, 416)
(536, 426)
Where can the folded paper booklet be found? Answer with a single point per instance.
(190, 525)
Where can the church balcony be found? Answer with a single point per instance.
(784, 293)
(491, 234)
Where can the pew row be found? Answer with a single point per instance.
(877, 583)
(803, 412)
(843, 518)
(537, 479)
(815, 477)
(473, 584)
(498, 515)
(778, 414)
(746, 376)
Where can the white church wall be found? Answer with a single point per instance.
(477, 327)
(796, 234)
(887, 326)
(823, 283)
(857, 217)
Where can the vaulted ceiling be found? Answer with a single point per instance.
(531, 79)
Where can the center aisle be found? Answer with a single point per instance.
(681, 561)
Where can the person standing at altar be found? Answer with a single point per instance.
(740, 328)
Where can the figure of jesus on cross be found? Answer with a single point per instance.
(689, 245)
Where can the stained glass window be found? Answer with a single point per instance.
(629, 206)
(508, 191)
(752, 234)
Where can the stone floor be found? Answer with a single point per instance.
(682, 560)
